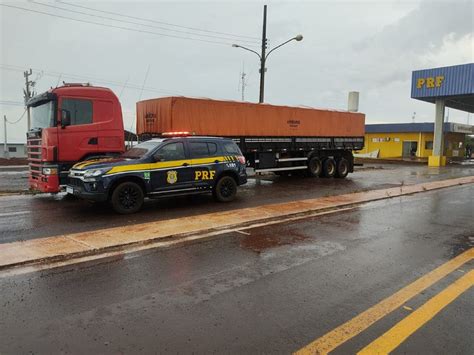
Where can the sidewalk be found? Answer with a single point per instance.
(69, 246)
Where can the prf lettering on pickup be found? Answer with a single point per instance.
(430, 82)
(204, 175)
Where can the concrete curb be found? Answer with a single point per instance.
(65, 247)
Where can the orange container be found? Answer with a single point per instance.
(236, 119)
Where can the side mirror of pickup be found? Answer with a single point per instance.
(65, 118)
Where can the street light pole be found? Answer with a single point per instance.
(262, 56)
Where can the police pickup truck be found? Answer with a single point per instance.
(168, 166)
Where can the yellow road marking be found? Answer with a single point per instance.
(353, 327)
(410, 324)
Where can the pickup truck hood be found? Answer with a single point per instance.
(104, 163)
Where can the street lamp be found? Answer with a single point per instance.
(262, 56)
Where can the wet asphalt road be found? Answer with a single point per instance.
(272, 291)
(24, 217)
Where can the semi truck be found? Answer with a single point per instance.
(279, 139)
(71, 123)
(77, 122)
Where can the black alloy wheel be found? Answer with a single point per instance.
(127, 198)
(225, 190)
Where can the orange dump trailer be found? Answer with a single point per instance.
(280, 139)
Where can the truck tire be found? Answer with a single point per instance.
(342, 168)
(225, 189)
(127, 198)
(329, 167)
(315, 167)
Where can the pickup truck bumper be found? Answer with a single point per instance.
(87, 191)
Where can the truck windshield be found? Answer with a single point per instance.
(141, 149)
(42, 116)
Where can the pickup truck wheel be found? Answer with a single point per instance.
(127, 198)
(342, 168)
(314, 167)
(225, 189)
(329, 167)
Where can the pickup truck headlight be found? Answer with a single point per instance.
(95, 172)
(50, 171)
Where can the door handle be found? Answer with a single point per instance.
(216, 161)
(185, 164)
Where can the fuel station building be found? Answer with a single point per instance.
(444, 87)
(413, 140)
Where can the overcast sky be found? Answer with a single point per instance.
(367, 46)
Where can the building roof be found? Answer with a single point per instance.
(454, 84)
(424, 127)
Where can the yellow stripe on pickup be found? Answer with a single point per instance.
(86, 163)
(164, 165)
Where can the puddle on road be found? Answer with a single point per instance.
(460, 244)
(266, 238)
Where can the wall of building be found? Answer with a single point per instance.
(14, 150)
(390, 145)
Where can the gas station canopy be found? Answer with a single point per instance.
(454, 84)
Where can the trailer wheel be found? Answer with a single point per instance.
(225, 189)
(342, 168)
(314, 167)
(127, 198)
(329, 167)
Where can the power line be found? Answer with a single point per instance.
(140, 24)
(155, 21)
(11, 103)
(95, 79)
(117, 27)
(18, 120)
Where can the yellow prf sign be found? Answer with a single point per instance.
(172, 176)
(430, 82)
(204, 175)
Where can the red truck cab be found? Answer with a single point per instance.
(69, 124)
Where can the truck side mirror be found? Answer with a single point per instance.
(65, 118)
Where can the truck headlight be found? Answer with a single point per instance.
(95, 172)
(50, 171)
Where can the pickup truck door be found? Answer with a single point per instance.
(205, 160)
(171, 171)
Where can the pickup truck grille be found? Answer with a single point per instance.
(75, 182)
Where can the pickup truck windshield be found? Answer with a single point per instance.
(42, 116)
(141, 149)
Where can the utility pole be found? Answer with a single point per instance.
(5, 147)
(262, 56)
(28, 94)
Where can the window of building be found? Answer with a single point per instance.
(12, 149)
(79, 109)
(429, 145)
